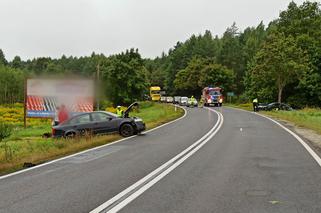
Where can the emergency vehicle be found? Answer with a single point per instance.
(212, 96)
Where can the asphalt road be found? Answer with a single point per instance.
(249, 164)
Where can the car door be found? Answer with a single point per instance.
(104, 123)
(81, 124)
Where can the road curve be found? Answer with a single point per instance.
(83, 182)
(251, 166)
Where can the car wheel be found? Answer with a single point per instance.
(126, 130)
(70, 135)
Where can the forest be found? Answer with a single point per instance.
(280, 61)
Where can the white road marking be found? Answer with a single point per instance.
(141, 187)
(89, 150)
(315, 156)
(304, 144)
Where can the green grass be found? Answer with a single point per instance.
(307, 118)
(27, 145)
(32, 131)
(155, 114)
(247, 106)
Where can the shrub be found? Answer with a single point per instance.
(113, 109)
(146, 104)
(5, 130)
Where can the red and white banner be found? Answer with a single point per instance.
(44, 96)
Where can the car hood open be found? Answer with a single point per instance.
(126, 113)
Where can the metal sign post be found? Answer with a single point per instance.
(230, 95)
(25, 105)
(98, 86)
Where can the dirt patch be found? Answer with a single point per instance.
(311, 135)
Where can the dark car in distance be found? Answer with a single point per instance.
(99, 122)
(274, 106)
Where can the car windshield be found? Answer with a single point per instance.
(155, 92)
(214, 92)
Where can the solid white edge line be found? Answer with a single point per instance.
(304, 144)
(141, 181)
(89, 150)
(315, 156)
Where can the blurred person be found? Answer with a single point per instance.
(63, 114)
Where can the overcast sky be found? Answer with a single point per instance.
(34, 28)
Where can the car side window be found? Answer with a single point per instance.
(100, 116)
(73, 121)
(84, 119)
(81, 119)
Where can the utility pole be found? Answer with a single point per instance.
(98, 84)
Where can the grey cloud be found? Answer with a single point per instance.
(37, 28)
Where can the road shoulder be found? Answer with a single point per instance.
(310, 137)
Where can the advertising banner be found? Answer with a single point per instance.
(45, 96)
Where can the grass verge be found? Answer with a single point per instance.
(27, 145)
(157, 114)
(308, 118)
(248, 106)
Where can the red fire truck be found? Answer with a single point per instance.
(212, 96)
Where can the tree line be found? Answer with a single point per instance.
(278, 62)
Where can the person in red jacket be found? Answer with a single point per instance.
(63, 114)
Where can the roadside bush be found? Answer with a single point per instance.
(297, 102)
(13, 115)
(247, 105)
(104, 104)
(113, 109)
(242, 99)
(146, 104)
(5, 130)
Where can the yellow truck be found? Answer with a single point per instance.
(154, 93)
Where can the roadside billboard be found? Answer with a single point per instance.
(43, 96)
